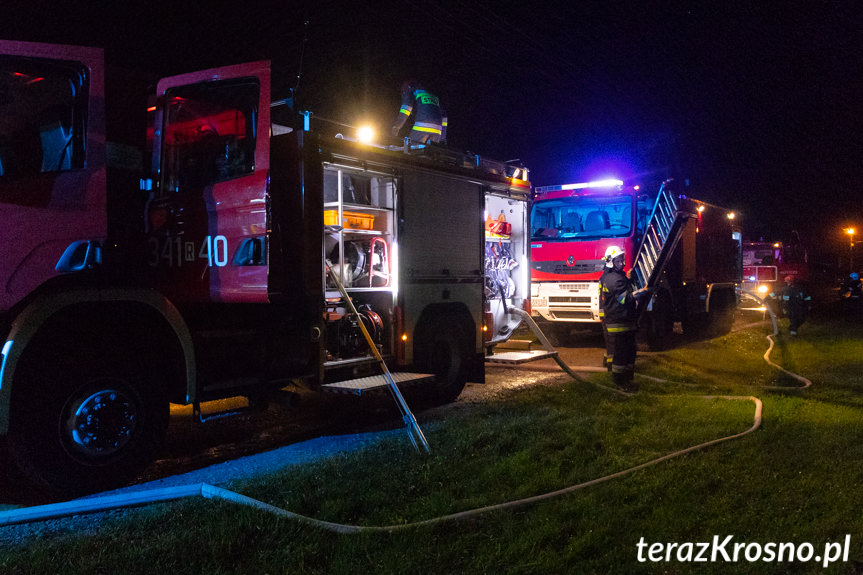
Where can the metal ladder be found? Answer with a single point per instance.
(661, 237)
(415, 434)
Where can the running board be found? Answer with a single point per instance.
(375, 382)
(517, 357)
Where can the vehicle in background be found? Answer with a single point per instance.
(767, 264)
(686, 251)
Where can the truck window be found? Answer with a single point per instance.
(209, 134)
(581, 218)
(43, 115)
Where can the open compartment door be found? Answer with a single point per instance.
(507, 263)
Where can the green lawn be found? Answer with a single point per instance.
(796, 480)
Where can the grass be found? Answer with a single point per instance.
(798, 479)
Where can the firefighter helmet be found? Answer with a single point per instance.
(789, 279)
(854, 276)
(611, 253)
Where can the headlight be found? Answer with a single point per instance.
(763, 289)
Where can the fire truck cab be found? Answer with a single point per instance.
(571, 227)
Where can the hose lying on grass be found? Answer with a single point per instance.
(106, 503)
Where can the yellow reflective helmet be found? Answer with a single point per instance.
(610, 253)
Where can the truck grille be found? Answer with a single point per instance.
(561, 267)
(586, 314)
(576, 287)
(572, 299)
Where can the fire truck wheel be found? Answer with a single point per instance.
(721, 316)
(659, 323)
(444, 357)
(85, 426)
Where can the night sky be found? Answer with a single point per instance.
(758, 104)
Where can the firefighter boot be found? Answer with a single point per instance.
(631, 386)
(623, 381)
(606, 363)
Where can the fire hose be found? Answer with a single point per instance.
(106, 503)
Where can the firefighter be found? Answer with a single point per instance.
(423, 107)
(795, 303)
(603, 290)
(851, 288)
(621, 317)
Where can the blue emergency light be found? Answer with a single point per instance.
(609, 183)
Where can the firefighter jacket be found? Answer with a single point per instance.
(851, 288)
(603, 292)
(795, 300)
(618, 301)
(429, 119)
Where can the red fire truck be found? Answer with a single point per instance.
(210, 279)
(767, 264)
(687, 251)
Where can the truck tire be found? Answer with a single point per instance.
(721, 316)
(659, 323)
(82, 425)
(445, 354)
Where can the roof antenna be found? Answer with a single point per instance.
(302, 54)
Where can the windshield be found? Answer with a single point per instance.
(209, 134)
(42, 115)
(581, 218)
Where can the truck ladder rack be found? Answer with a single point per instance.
(663, 233)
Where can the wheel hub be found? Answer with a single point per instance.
(101, 424)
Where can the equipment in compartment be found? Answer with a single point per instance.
(379, 266)
(350, 220)
(498, 258)
(498, 228)
(366, 261)
(344, 337)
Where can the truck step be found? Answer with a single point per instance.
(516, 357)
(518, 344)
(363, 385)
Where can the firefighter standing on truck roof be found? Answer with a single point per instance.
(621, 318)
(429, 119)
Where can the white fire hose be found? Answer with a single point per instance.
(106, 503)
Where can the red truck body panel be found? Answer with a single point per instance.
(48, 208)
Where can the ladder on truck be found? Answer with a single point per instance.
(387, 379)
(663, 233)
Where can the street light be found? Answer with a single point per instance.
(850, 232)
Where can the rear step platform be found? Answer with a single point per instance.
(516, 357)
(363, 385)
